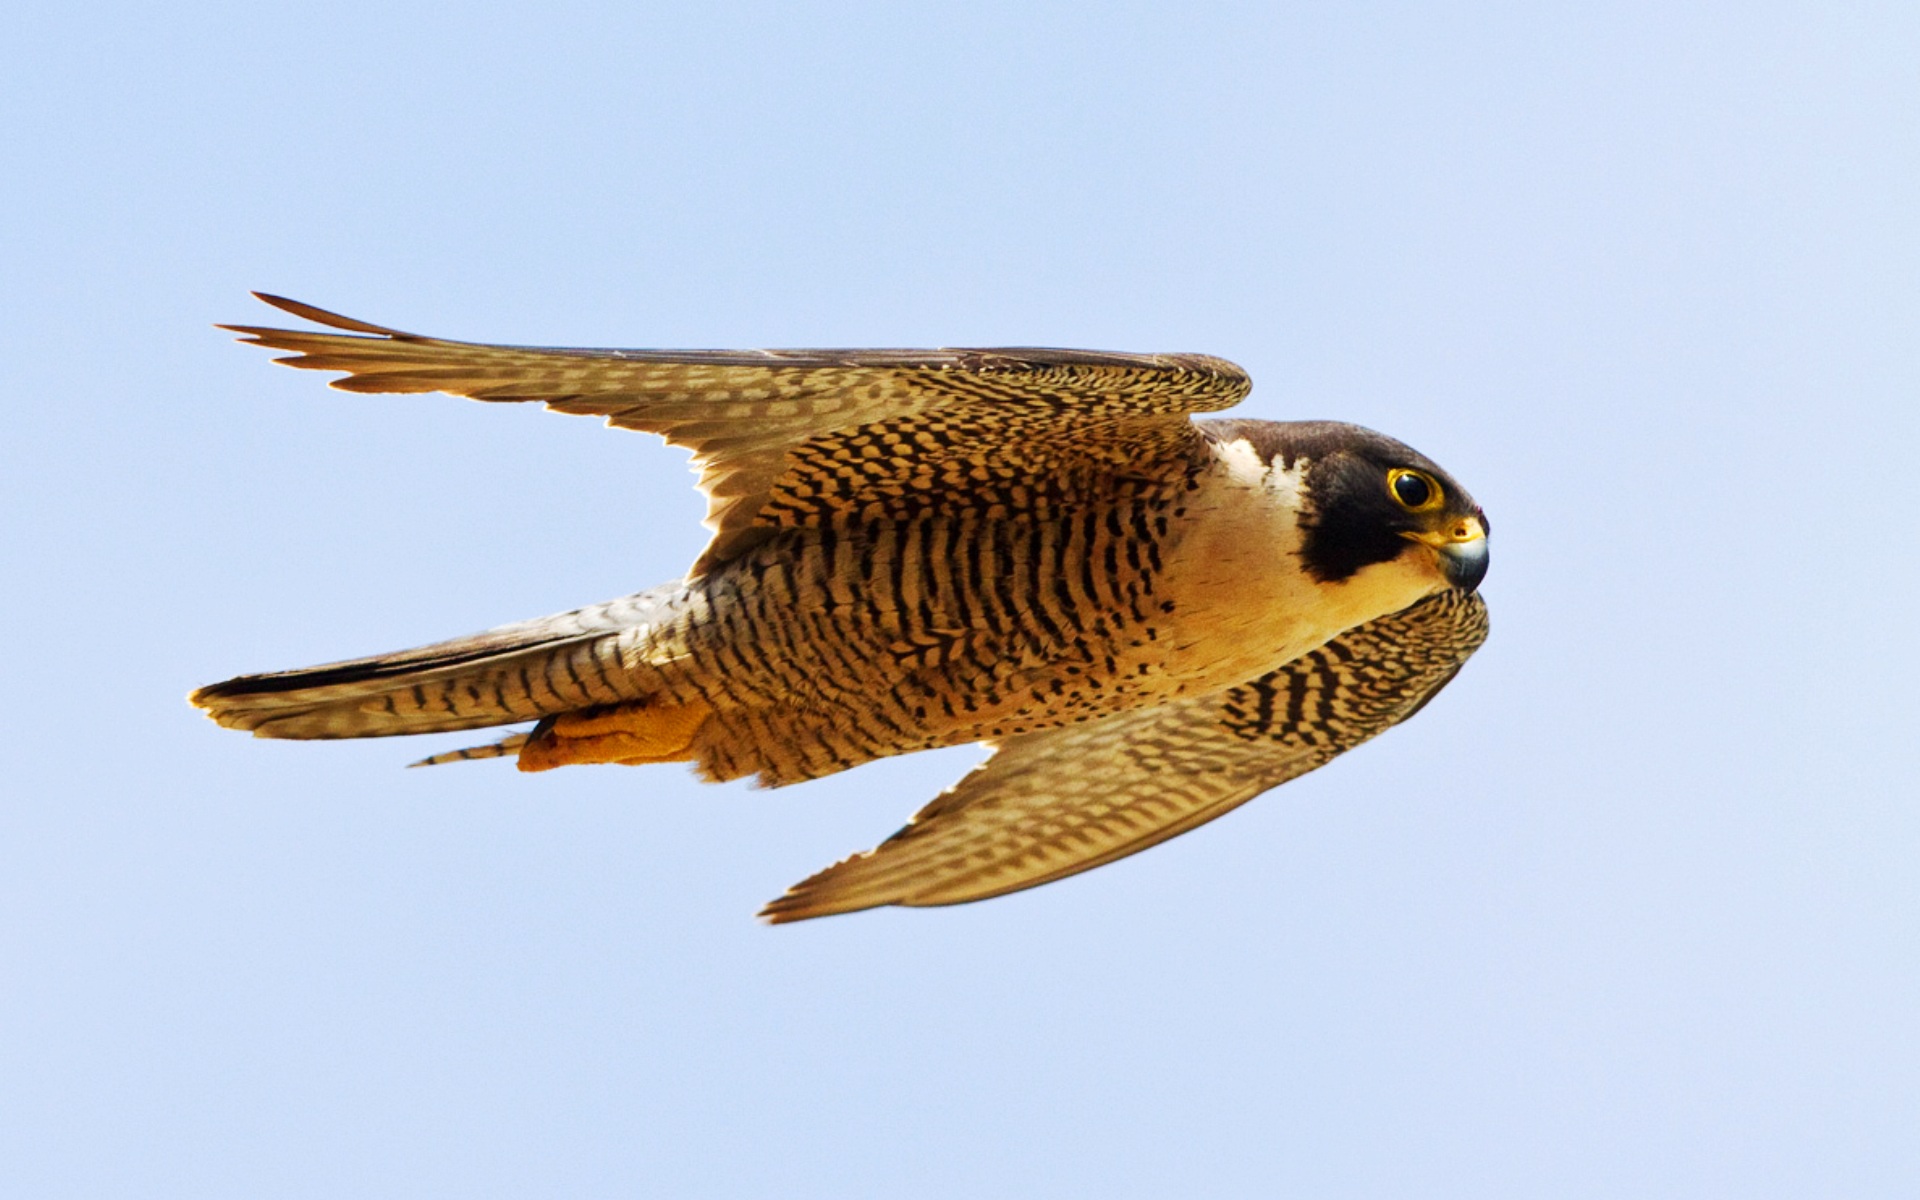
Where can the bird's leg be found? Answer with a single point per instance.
(641, 731)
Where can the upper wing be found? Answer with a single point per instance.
(1054, 803)
(793, 437)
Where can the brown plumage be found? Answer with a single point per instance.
(1152, 619)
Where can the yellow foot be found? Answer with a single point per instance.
(642, 731)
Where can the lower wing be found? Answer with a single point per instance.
(1051, 804)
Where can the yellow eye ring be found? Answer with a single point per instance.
(1415, 491)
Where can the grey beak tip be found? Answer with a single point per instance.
(1466, 563)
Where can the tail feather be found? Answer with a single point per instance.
(509, 745)
(514, 673)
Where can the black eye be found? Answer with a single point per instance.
(1413, 490)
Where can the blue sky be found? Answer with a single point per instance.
(1630, 910)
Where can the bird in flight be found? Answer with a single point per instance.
(1151, 619)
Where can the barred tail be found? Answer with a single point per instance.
(507, 747)
(514, 673)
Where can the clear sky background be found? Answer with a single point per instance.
(1631, 910)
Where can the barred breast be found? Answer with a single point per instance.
(827, 647)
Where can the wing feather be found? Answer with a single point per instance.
(1054, 803)
(783, 437)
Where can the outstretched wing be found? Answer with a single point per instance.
(798, 437)
(1051, 804)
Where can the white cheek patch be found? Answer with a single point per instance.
(1243, 463)
(1288, 483)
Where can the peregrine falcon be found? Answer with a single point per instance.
(1149, 619)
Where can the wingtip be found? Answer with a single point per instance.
(780, 911)
(792, 907)
(321, 316)
(802, 903)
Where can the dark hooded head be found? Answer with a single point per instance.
(1370, 499)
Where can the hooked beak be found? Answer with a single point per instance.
(1461, 549)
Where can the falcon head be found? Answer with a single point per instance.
(1368, 499)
